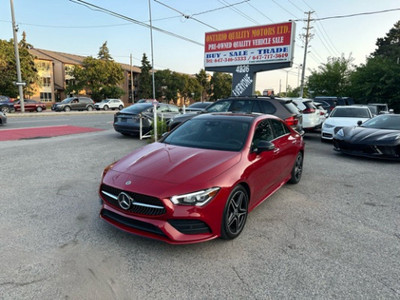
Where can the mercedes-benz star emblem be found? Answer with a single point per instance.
(124, 201)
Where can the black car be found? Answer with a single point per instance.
(127, 121)
(330, 102)
(378, 137)
(282, 108)
(74, 103)
(6, 105)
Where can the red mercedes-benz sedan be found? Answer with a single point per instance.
(200, 181)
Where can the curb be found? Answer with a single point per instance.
(55, 113)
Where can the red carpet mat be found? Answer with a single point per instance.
(41, 132)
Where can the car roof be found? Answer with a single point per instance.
(238, 116)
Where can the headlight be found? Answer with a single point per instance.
(328, 125)
(196, 198)
(340, 133)
(106, 169)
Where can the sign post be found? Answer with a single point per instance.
(246, 51)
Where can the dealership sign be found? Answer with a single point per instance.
(264, 44)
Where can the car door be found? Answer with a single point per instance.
(75, 104)
(263, 171)
(285, 152)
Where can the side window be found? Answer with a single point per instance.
(267, 107)
(263, 132)
(279, 128)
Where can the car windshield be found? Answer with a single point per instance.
(350, 112)
(383, 122)
(105, 101)
(210, 133)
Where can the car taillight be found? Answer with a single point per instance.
(309, 111)
(292, 121)
(322, 113)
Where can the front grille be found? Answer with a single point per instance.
(131, 223)
(143, 204)
(328, 135)
(190, 226)
(383, 151)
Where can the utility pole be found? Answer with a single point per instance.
(307, 37)
(19, 83)
(152, 73)
(132, 96)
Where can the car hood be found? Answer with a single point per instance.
(176, 164)
(344, 121)
(364, 135)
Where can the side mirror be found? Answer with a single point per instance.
(359, 123)
(264, 146)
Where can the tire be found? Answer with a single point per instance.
(5, 110)
(120, 107)
(67, 109)
(235, 213)
(89, 108)
(39, 109)
(297, 170)
(12, 110)
(105, 107)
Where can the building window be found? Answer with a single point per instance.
(46, 81)
(45, 97)
(69, 82)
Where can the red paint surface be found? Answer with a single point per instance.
(38, 132)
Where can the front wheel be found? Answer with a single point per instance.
(297, 169)
(120, 107)
(235, 214)
(105, 107)
(89, 108)
(39, 109)
(67, 109)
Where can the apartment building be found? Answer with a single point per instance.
(53, 70)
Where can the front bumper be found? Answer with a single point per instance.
(367, 150)
(174, 224)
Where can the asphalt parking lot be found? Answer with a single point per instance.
(334, 235)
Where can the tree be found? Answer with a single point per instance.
(389, 46)
(332, 79)
(99, 77)
(8, 69)
(145, 80)
(104, 52)
(202, 78)
(378, 79)
(221, 85)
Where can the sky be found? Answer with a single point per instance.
(70, 27)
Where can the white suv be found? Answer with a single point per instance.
(311, 114)
(107, 104)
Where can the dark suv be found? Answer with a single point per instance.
(6, 105)
(282, 108)
(74, 103)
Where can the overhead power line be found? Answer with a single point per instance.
(353, 15)
(112, 13)
(185, 15)
(239, 12)
(219, 8)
